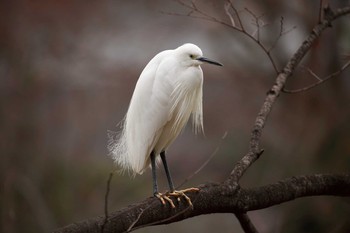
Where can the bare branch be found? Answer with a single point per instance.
(200, 14)
(246, 223)
(254, 145)
(106, 200)
(279, 35)
(136, 220)
(237, 15)
(281, 25)
(216, 198)
(162, 221)
(282, 32)
(293, 188)
(320, 11)
(313, 74)
(205, 16)
(258, 22)
(288, 30)
(227, 10)
(189, 14)
(320, 81)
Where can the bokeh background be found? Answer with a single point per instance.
(67, 73)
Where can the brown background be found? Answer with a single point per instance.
(67, 72)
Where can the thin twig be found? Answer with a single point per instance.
(237, 15)
(205, 16)
(136, 220)
(257, 20)
(162, 220)
(320, 11)
(313, 74)
(282, 32)
(257, 39)
(204, 164)
(193, 7)
(106, 201)
(333, 75)
(279, 35)
(227, 11)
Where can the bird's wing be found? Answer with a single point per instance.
(147, 113)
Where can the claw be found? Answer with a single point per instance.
(160, 197)
(163, 198)
(178, 194)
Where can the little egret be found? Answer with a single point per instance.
(167, 92)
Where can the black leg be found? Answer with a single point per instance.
(171, 185)
(154, 173)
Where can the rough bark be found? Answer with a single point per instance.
(216, 198)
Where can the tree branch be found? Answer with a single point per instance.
(254, 150)
(200, 14)
(215, 198)
(246, 224)
(293, 188)
(320, 81)
(106, 200)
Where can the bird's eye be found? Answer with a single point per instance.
(191, 56)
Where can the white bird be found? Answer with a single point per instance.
(167, 93)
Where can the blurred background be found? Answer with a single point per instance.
(67, 73)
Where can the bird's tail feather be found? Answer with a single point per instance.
(118, 151)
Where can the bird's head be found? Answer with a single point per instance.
(191, 55)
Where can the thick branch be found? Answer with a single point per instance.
(215, 198)
(292, 188)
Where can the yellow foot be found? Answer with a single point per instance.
(165, 197)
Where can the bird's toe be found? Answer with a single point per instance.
(164, 198)
(178, 194)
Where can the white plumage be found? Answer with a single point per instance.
(167, 93)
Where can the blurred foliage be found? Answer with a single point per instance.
(67, 71)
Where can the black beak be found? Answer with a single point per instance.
(204, 59)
